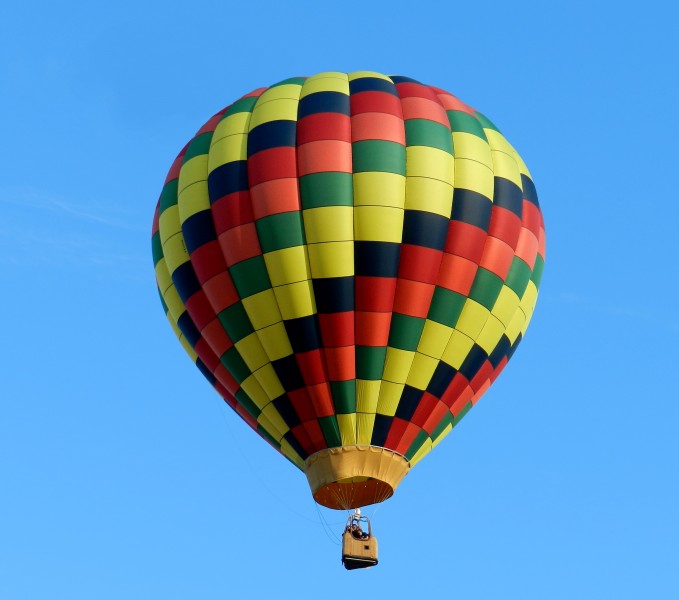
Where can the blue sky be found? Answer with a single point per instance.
(124, 475)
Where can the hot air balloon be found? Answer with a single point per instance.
(350, 260)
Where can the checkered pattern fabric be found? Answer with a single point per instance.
(349, 259)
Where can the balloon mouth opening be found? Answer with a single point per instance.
(354, 476)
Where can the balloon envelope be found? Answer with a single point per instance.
(350, 260)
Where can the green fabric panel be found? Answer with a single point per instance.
(370, 362)
(235, 364)
(463, 412)
(486, 288)
(326, 189)
(518, 276)
(445, 421)
(242, 105)
(291, 80)
(331, 431)
(379, 155)
(268, 437)
(405, 332)
(421, 132)
(465, 123)
(156, 248)
(446, 306)
(283, 230)
(536, 277)
(199, 145)
(344, 396)
(244, 400)
(485, 121)
(250, 276)
(168, 197)
(421, 438)
(235, 321)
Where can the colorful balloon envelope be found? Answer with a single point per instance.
(350, 260)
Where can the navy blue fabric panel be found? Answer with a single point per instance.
(425, 229)
(227, 179)
(303, 333)
(441, 379)
(508, 195)
(502, 350)
(471, 207)
(401, 79)
(323, 102)
(288, 372)
(198, 229)
(296, 446)
(189, 329)
(376, 259)
(474, 361)
(284, 406)
(381, 429)
(202, 367)
(371, 84)
(334, 294)
(410, 398)
(273, 134)
(529, 191)
(185, 280)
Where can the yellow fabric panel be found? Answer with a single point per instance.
(421, 453)
(269, 427)
(497, 141)
(331, 259)
(423, 161)
(193, 170)
(163, 278)
(255, 391)
(329, 224)
(365, 423)
(490, 334)
(185, 344)
(472, 318)
(347, 427)
(193, 199)
(523, 169)
(269, 381)
(528, 301)
(296, 300)
(168, 223)
(275, 341)
(516, 325)
(474, 176)
(505, 306)
(505, 166)
(457, 350)
(434, 339)
(283, 109)
(174, 302)
(430, 195)
(252, 352)
(422, 371)
(381, 189)
(360, 74)
(441, 435)
(397, 364)
(288, 265)
(326, 82)
(232, 125)
(289, 452)
(278, 92)
(367, 393)
(174, 251)
(274, 417)
(390, 394)
(228, 149)
(468, 145)
(262, 309)
(378, 224)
